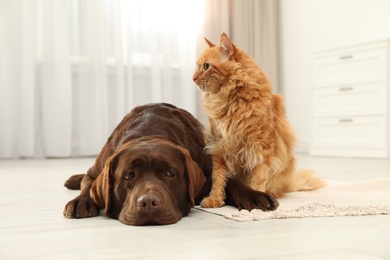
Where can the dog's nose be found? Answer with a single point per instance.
(148, 202)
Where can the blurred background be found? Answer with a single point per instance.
(70, 70)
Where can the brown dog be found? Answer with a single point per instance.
(152, 170)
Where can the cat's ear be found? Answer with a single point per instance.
(209, 43)
(226, 45)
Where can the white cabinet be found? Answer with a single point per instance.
(350, 101)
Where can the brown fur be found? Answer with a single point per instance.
(250, 137)
(152, 170)
(162, 146)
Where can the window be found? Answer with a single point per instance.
(135, 31)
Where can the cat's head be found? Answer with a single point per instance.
(214, 65)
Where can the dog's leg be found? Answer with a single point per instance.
(242, 196)
(74, 182)
(82, 206)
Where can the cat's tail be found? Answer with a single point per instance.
(305, 180)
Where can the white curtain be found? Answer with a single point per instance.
(254, 28)
(216, 20)
(71, 69)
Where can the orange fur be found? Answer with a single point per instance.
(250, 136)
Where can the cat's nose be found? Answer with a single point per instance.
(195, 77)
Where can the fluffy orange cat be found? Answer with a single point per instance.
(250, 137)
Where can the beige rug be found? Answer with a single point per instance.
(336, 199)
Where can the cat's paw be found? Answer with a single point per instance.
(81, 207)
(211, 202)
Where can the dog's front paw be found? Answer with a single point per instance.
(211, 202)
(258, 200)
(81, 207)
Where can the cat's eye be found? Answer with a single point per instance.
(130, 175)
(170, 174)
(206, 66)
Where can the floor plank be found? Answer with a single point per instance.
(32, 198)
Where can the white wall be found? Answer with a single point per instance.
(310, 25)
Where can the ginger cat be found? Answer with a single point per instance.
(250, 137)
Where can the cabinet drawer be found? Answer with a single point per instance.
(353, 132)
(350, 67)
(350, 100)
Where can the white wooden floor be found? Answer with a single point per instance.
(32, 198)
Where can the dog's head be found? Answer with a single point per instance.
(148, 181)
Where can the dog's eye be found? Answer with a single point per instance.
(130, 175)
(170, 174)
(206, 66)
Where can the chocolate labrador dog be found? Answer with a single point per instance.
(152, 170)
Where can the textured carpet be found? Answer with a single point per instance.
(336, 199)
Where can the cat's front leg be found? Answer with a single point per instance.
(219, 178)
(259, 177)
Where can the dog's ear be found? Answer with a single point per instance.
(196, 179)
(101, 187)
(195, 176)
